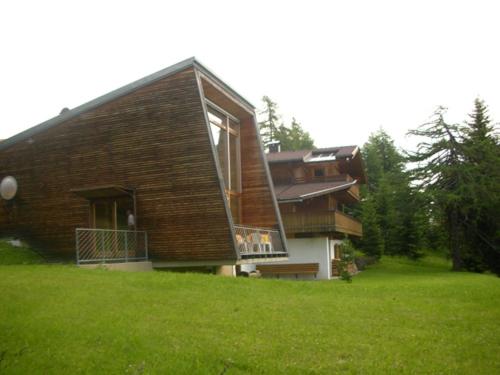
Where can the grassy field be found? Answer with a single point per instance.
(399, 317)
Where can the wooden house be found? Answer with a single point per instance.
(168, 168)
(314, 188)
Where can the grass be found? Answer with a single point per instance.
(398, 317)
(17, 255)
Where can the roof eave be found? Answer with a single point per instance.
(319, 193)
(219, 81)
(290, 200)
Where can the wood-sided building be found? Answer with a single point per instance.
(314, 188)
(171, 163)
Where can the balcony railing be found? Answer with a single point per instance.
(320, 222)
(108, 246)
(259, 242)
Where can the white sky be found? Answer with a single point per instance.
(342, 68)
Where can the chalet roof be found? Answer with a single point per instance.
(306, 156)
(284, 156)
(122, 91)
(300, 192)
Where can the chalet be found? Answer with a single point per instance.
(169, 168)
(314, 188)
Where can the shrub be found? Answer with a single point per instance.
(347, 256)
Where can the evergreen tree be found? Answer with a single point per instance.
(269, 126)
(294, 138)
(458, 168)
(399, 218)
(441, 171)
(372, 242)
(482, 152)
(381, 156)
(290, 138)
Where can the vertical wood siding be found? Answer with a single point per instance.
(257, 201)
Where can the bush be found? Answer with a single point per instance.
(347, 256)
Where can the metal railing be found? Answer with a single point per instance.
(258, 242)
(107, 246)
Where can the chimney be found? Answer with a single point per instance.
(274, 146)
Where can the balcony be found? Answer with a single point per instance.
(110, 246)
(259, 242)
(321, 222)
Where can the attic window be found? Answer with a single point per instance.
(319, 172)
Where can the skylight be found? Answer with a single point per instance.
(324, 156)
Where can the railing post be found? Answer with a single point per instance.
(126, 247)
(77, 248)
(102, 246)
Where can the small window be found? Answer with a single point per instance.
(319, 172)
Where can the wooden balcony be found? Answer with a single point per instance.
(321, 222)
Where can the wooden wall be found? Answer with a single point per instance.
(299, 172)
(154, 140)
(257, 200)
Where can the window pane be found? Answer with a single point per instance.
(220, 142)
(215, 118)
(123, 206)
(235, 168)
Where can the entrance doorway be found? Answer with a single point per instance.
(112, 213)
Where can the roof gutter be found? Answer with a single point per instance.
(330, 190)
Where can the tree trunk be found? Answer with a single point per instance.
(457, 263)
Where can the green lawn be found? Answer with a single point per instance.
(399, 317)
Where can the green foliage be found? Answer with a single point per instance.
(400, 316)
(372, 242)
(17, 255)
(457, 167)
(291, 138)
(381, 157)
(394, 221)
(269, 125)
(482, 151)
(294, 138)
(348, 255)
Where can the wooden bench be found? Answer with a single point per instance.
(289, 269)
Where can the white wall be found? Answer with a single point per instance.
(309, 250)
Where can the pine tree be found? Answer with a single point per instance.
(440, 170)
(269, 126)
(294, 138)
(372, 242)
(481, 225)
(290, 138)
(458, 166)
(399, 219)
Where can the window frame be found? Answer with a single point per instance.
(218, 112)
(319, 169)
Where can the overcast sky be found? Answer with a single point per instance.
(342, 68)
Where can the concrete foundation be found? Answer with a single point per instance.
(128, 267)
(226, 271)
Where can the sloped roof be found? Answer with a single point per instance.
(122, 91)
(299, 192)
(276, 157)
(340, 152)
